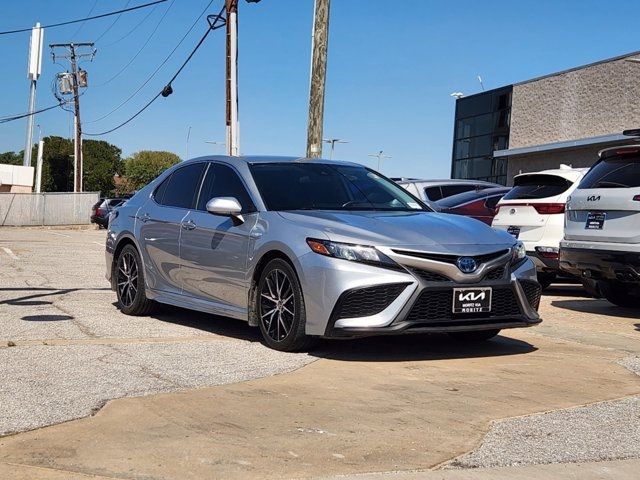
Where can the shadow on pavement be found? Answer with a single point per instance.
(28, 300)
(565, 290)
(403, 348)
(597, 306)
(47, 318)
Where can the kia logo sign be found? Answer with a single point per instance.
(471, 296)
(593, 198)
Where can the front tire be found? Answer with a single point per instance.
(280, 308)
(129, 275)
(475, 336)
(619, 294)
(546, 279)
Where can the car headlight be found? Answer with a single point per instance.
(518, 253)
(348, 251)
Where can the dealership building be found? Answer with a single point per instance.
(562, 118)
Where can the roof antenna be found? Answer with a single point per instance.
(481, 84)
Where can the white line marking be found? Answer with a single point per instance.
(59, 234)
(10, 253)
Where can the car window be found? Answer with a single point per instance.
(160, 189)
(182, 186)
(433, 193)
(319, 186)
(448, 190)
(616, 172)
(492, 201)
(223, 181)
(115, 202)
(461, 198)
(531, 187)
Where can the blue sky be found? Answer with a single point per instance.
(391, 69)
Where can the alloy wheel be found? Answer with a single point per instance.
(277, 305)
(127, 278)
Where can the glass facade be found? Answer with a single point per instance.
(481, 127)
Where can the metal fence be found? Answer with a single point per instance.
(21, 209)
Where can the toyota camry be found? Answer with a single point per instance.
(313, 248)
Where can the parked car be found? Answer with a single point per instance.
(602, 235)
(533, 212)
(478, 204)
(101, 210)
(430, 191)
(306, 249)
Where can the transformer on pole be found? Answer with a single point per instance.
(33, 72)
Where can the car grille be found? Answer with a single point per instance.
(495, 274)
(532, 291)
(362, 302)
(436, 305)
(452, 259)
(428, 276)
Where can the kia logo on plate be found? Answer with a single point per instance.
(593, 198)
(467, 264)
(471, 297)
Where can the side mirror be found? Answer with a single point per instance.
(227, 206)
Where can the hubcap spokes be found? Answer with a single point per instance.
(277, 306)
(127, 279)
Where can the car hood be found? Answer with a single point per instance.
(427, 231)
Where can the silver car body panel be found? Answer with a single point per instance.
(211, 267)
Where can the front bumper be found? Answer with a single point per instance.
(419, 304)
(601, 264)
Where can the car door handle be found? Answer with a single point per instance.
(145, 217)
(188, 225)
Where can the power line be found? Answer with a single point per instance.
(168, 90)
(141, 48)
(135, 27)
(112, 24)
(11, 118)
(117, 12)
(153, 74)
(95, 2)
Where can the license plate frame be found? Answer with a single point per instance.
(595, 220)
(472, 300)
(514, 230)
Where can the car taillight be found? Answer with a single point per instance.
(548, 208)
(99, 212)
(636, 198)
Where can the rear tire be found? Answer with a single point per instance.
(130, 287)
(475, 336)
(619, 294)
(546, 279)
(280, 308)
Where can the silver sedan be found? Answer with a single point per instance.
(305, 249)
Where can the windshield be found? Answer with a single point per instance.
(530, 187)
(616, 172)
(321, 186)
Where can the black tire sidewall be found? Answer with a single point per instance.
(295, 339)
(140, 302)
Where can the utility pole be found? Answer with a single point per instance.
(35, 68)
(333, 142)
(78, 79)
(379, 156)
(233, 146)
(319, 42)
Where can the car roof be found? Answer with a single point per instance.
(262, 159)
(611, 151)
(569, 173)
(450, 181)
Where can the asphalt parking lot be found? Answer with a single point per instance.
(187, 395)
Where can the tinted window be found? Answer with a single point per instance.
(492, 201)
(222, 181)
(160, 189)
(461, 198)
(433, 193)
(182, 187)
(616, 172)
(448, 190)
(317, 186)
(528, 187)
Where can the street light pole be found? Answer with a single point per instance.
(379, 156)
(333, 142)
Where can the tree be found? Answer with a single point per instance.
(101, 161)
(11, 158)
(144, 166)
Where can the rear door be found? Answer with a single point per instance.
(525, 210)
(159, 221)
(606, 205)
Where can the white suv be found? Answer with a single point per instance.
(533, 212)
(602, 234)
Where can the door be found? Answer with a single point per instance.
(214, 248)
(159, 221)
